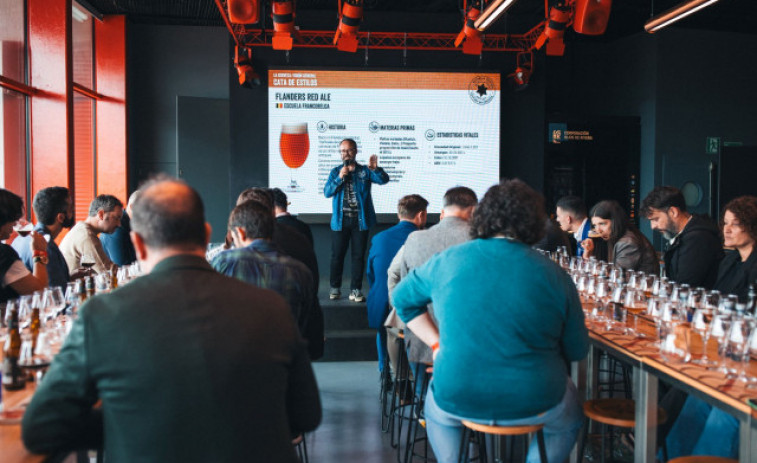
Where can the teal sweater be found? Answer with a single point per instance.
(509, 320)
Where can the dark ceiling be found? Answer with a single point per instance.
(627, 17)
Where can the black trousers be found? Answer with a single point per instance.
(340, 240)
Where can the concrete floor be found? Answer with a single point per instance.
(350, 430)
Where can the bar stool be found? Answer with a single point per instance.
(402, 398)
(483, 430)
(702, 459)
(384, 394)
(417, 421)
(614, 413)
(301, 447)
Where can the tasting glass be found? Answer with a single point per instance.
(719, 329)
(700, 324)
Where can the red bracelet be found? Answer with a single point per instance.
(435, 346)
(36, 253)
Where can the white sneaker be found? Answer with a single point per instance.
(357, 296)
(335, 293)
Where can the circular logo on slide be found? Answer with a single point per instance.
(481, 90)
(373, 127)
(322, 126)
(430, 134)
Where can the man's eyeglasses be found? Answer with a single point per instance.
(348, 151)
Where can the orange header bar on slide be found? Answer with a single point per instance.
(381, 79)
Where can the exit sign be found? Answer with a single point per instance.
(713, 145)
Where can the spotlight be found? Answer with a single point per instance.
(243, 63)
(471, 36)
(345, 38)
(282, 12)
(523, 70)
(559, 17)
(243, 11)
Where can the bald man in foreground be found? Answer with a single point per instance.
(190, 365)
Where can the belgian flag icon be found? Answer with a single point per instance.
(279, 105)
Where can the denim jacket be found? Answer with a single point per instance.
(334, 188)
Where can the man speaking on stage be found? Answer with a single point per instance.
(352, 215)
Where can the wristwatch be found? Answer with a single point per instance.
(41, 257)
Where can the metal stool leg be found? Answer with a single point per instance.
(542, 446)
(464, 438)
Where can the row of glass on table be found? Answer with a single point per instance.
(34, 326)
(687, 320)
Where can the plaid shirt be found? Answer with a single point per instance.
(262, 264)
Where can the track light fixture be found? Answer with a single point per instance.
(345, 38)
(470, 37)
(282, 12)
(243, 63)
(492, 11)
(674, 14)
(243, 11)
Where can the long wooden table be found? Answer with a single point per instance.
(648, 368)
(12, 449)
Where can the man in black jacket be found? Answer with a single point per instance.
(280, 205)
(694, 247)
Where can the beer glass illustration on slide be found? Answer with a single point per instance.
(294, 145)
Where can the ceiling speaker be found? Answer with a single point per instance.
(591, 16)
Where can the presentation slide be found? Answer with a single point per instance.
(430, 130)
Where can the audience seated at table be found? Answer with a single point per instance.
(701, 429)
(509, 321)
(628, 248)
(16, 278)
(189, 365)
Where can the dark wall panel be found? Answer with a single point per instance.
(165, 62)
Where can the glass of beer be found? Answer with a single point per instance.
(294, 146)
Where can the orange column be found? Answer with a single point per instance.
(51, 74)
(110, 77)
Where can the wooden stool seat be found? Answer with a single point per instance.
(701, 459)
(616, 412)
(503, 430)
(482, 430)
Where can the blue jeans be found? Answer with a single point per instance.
(703, 430)
(561, 425)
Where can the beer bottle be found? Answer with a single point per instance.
(81, 290)
(89, 282)
(34, 325)
(13, 377)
